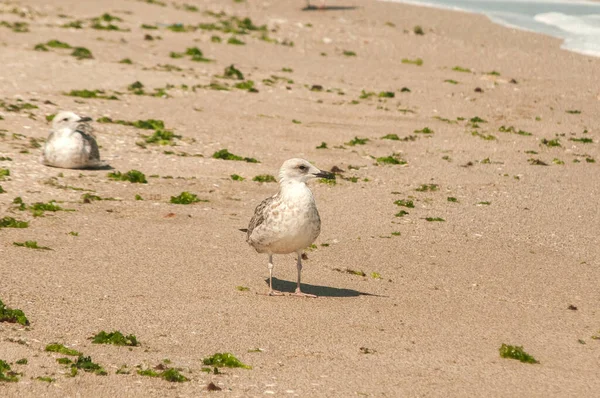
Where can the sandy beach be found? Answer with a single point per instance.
(473, 223)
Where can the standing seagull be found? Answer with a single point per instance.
(288, 221)
(71, 144)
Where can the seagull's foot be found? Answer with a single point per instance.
(275, 293)
(299, 293)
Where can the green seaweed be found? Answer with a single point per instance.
(10, 222)
(418, 30)
(424, 130)
(357, 141)
(224, 154)
(4, 173)
(57, 44)
(61, 349)
(99, 94)
(428, 188)
(225, 359)
(264, 178)
(11, 315)
(6, 374)
(405, 203)
(161, 137)
(133, 176)
(322, 146)
(82, 53)
(236, 177)
(86, 364)
(247, 85)
(511, 129)
(235, 41)
(516, 352)
(47, 379)
(186, 198)
(173, 376)
(393, 137)
(461, 69)
(551, 143)
(115, 338)
(231, 72)
(584, 140)
(196, 54)
(433, 219)
(401, 213)
(393, 159)
(31, 244)
(417, 61)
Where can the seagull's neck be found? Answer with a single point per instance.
(64, 132)
(294, 189)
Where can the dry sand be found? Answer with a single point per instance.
(450, 293)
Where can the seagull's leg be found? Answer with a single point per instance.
(299, 266)
(271, 291)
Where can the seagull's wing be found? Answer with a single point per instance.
(260, 214)
(90, 144)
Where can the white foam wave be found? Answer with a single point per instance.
(576, 22)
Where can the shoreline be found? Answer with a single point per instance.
(543, 23)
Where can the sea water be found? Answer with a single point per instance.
(576, 22)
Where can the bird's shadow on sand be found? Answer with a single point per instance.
(321, 291)
(328, 8)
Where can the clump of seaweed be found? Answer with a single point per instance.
(86, 364)
(93, 94)
(417, 61)
(231, 72)
(11, 315)
(115, 338)
(357, 141)
(161, 137)
(61, 349)
(31, 244)
(405, 203)
(149, 124)
(424, 130)
(224, 154)
(264, 178)
(393, 159)
(169, 374)
(551, 143)
(6, 374)
(516, 352)
(133, 176)
(10, 222)
(428, 188)
(225, 359)
(186, 198)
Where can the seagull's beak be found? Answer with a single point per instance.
(325, 174)
(85, 119)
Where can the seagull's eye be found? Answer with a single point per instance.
(66, 119)
(302, 167)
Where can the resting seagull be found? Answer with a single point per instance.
(288, 221)
(71, 144)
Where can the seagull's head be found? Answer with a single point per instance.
(300, 170)
(69, 121)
